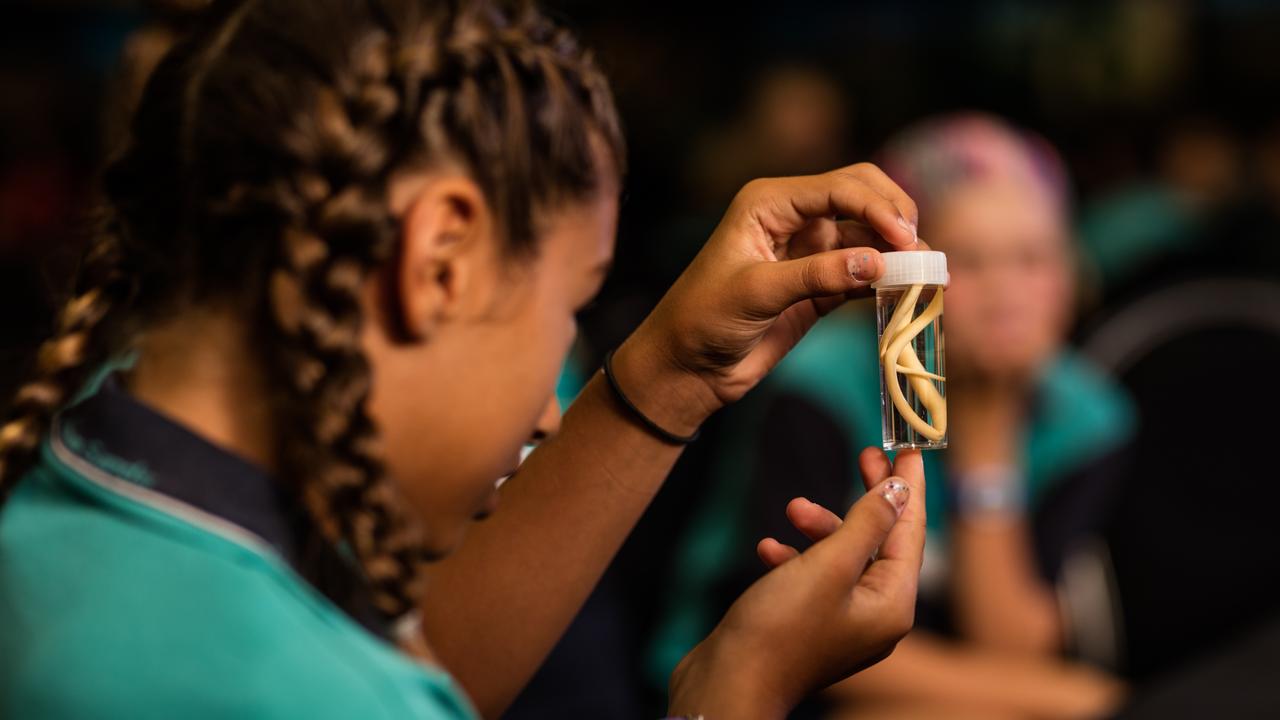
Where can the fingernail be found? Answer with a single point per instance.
(896, 492)
(856, 265)
(861, 267)
(910, 227)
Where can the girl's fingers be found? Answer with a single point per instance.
(877, 180)
(827, 234)
(772, 287)
(844, 553)
(811, 519)
(773, 553)
(875, 467)
(853, 234)
(820, 235)
(905, 542)
(782, 206)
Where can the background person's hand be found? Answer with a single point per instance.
(787, 251)
(819, 615)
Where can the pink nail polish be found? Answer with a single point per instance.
(896, 492)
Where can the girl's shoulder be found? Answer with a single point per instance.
(113, 609)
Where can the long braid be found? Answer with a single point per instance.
(64, 362)
(328, 440)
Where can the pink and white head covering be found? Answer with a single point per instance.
(934, 156)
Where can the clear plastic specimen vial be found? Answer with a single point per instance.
(913, 397)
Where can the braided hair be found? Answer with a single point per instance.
(256, 177)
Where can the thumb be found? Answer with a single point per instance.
(779, 285)
(846, 551)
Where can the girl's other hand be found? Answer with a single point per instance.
(821, 615)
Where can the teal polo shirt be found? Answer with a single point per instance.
(145, 573)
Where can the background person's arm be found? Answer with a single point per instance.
(1001, 601)
(777, 262)
(927, 674)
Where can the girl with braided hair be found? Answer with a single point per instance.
(336, 275)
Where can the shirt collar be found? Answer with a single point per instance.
(131, 441)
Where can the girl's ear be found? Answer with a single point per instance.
(446, 238)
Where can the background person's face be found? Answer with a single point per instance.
(1009, 303)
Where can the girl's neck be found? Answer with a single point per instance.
(199, 372)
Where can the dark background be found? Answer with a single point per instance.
(1111, 84)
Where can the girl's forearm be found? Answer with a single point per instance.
(495, 609)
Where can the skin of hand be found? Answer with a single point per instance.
(820, 615)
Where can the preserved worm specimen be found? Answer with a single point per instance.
(909, 313)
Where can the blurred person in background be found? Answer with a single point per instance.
(795, 119)
(1036, 438)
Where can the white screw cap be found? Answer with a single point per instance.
(913, 267)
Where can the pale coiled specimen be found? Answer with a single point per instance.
(898, 358)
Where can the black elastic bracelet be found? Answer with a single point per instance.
(653, 427)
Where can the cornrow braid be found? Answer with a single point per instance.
(327, 438)
(257, 178)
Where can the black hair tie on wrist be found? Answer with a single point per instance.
(653, 427)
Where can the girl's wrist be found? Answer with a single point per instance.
(673, 397)
(714, 684)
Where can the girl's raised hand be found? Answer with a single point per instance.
(787, 251)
